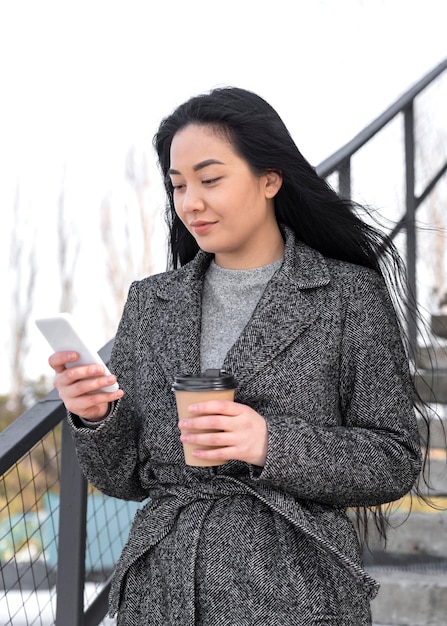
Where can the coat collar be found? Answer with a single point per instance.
(303, 266)
(282, 314)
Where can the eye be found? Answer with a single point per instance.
(177, 187)
(210, 181)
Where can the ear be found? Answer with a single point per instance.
(273, 182)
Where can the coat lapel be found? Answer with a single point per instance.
(176, 343)
(273, 326)
(283, 313)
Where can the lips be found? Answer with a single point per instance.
(200, 227)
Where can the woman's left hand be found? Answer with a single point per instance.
(242, 432)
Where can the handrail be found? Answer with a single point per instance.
(335, 160)
(24, 432)
(340, 162)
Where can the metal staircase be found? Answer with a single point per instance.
(412, 570)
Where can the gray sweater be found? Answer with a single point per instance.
(228, 300)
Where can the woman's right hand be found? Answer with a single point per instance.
(77, 386)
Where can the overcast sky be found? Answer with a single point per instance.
(83, 81)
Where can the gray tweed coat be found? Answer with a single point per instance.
(321, 360)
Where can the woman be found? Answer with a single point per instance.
(276, 280)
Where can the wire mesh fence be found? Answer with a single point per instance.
(29, 523)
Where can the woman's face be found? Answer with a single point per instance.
(228, 210)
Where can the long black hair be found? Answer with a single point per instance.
(306, 202)
(319, 216)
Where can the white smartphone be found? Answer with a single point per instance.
(61, 333)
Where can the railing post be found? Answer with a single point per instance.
(72, 536)
(410, 228)
(344, 179)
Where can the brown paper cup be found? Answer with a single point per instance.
(183, 400)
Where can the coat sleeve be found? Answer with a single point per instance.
(373, 456)
(108, 454)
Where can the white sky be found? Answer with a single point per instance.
(83, 81)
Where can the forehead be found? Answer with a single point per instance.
(197, 142)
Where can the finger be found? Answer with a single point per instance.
(91, 405)
(209, 422)
(82, 372)
(215, 439)
(88, 402)
(89, 384)
(219, 407)
(58, 360)
(216, 454)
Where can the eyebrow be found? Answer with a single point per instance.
(198, 166)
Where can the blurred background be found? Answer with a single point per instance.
(84, 86)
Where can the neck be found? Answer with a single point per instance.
(268, 251)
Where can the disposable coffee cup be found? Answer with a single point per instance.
(213, 384)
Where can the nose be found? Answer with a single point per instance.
(192, 200)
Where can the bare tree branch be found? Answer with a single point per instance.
(126, 234)
(23, 267)
(68, 251)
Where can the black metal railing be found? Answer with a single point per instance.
(340, 163)
(59, 539)
(54, 539)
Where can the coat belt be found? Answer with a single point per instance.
(155, 520)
